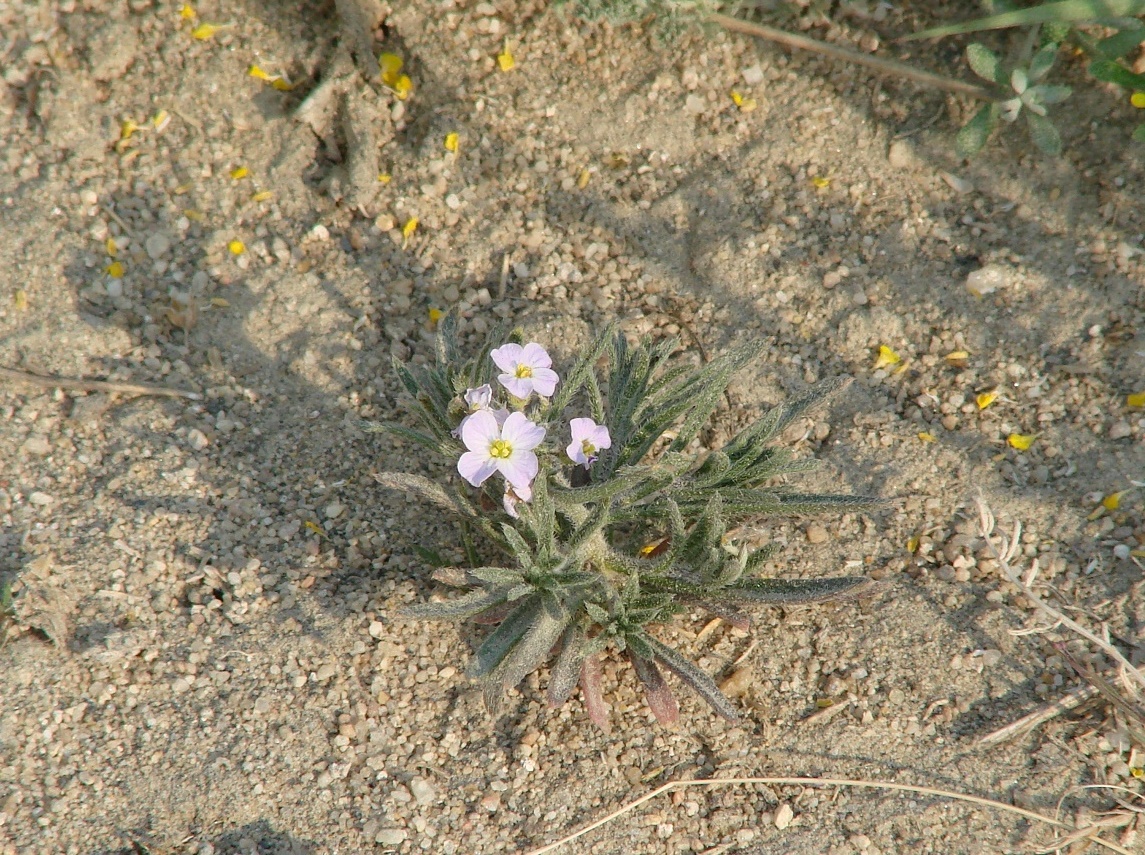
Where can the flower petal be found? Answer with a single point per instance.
(476, 467)
(521, 434)
(518, 387)
(479, 430)
(519, 469)
(479, 398)
(535, 356)
(506, 357)
(544, 381)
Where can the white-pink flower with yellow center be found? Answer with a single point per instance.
(478, 400)
(527, 370)
(507, 449)
(588, 438)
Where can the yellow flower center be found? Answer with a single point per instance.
(587, 447)
(524, 371)
(500, 449)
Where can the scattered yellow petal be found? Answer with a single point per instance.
(111, 248)
(435, 315)
(927, 436)
(114, 270)
(257, 73)
(886, 357)
(821, 182)
(745, 104)
(1137, 771)
(127, 129)
(220, 303)
(1021, 441)
(913, 544)
(262, 196)
(186, 12)
(281, 84)
(237, 247)
(20, 299)
(205, 31)
(985, 399)
(452, 140)
(314, 527)
(161, 120)
(390, 64)
(1113, 501)
(583, 179)
(403, 87)
(239, 173)
(409, 228)
(385, 177)
(1137, 400)
(1137, 99)
(958, 358)
(649, 549)
(181, 189)
(505, 60)
(192, 214)
(824, 703)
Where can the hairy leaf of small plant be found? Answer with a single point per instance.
(660, 698)
(507, 634)
(1064, 10)
(697, 680)
(787, 592)
(985, 63)
(1043, 133)
(462, 607)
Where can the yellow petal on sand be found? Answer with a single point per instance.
(161, 120)
(746, 104)
(205, 31)
(402, 87)
(821, 182)
(886, 357)
(192, 214)
(262, 196)
(1113, 501)
(186, 12)
(281, 84)
(1137, 99)
(115, 270)
(220, 303)
(927, 436)
(505, 60)
(409, 228)
(239, 173)
(1021, 441)
(435, 315)
(237, 247)
(583, 179)
(452, 141)
(257, 73)
(958, 358)
(111, 248)
(127, 129)
(986, 399)
(1136, 400)
(390, 65)
(913, 544)
(385, 177)
(20, 300)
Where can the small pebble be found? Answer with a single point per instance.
(197, 439)
(423, 792)
(783, 816)
(986, 280)
(40, 499)
(816, 533)
(901, 155)
(391, 836)
(334, 510)
(157, 245)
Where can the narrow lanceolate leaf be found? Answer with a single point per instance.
(697, 680)
(567, 668)
(1064, 10)
(1115, 72)
(660, 698)
(787, 592)
(427, 489)
(740, 503)
(534, 648)
(510, 631)
(594, 703)
(456, 609)
(975, 133)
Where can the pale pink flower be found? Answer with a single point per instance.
(588, 438)
(480, 400)
(507, 449)
(527, 370)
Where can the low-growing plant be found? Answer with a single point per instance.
(608, 524)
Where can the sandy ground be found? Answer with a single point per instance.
(207, 653)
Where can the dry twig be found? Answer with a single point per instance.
(1039, 716)
(882, 66)
(827, 782)
(82, 385)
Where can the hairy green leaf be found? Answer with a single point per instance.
(1064, 10)
(789, 592)
(462, 607)
(697, 680)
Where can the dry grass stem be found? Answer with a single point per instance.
(81, 385)
(1004, 550)
(888, 67)
(830, 782)
(1039, 716)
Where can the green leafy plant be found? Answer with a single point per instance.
(619, 531)
(1031, 98)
